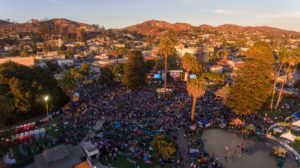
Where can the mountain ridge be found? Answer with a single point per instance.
(149, 27)
(59, 24)
(154, 27)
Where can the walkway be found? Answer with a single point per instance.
(183, 146)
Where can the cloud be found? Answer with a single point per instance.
(219, 11)
(55, 1)
(229, 12)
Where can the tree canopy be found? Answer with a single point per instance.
(22, 89)
(191, 64)
(261, 51)
(68, 83)
(106, 75)
(251, 88)
(135, 72)
(196, 88)
(164, 146)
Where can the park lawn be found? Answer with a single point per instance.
(121, 162)
(52, 132)
(296, 145)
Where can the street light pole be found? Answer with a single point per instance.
(46, 98)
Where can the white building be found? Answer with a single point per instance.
(181, 50)
(91, 151)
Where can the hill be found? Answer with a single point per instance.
(4, 22)
(155, 27)
(55, 25)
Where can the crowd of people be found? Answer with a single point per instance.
(132, 118)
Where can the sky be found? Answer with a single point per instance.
(121, 13)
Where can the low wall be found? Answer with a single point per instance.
(286, 146)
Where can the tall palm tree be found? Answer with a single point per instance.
(292, 59)
(45, 48)
(196, 88)
(187, 62)
(68, 84)
(166, 49)
(281, 59)
(77, 74)
(191, 64)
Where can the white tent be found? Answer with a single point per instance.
(289, 136)
(194, 150)
(42, 132)
(277, 130)
(296, 123)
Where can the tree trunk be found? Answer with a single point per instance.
(166, 69)
(281, 89)
(187, 74)
(193, 109)
(276, 74)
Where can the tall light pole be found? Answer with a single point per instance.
(46, 98)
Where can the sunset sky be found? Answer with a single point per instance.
(120, 13)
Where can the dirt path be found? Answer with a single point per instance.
(183, 147)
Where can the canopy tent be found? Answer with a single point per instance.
(296, 123)
(162, 90)
(289, 136)
(251, 127)
(279, 130)
(88, 82)
(297, 115)
(204, 123)
(194, 150)
(116, 125)
(279, 151)
(67, 107)
(193, 127)
(237, 122)
(76, 97)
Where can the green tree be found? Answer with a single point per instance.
(173, 63)
(81, 35)
(77, 74)
(261, 51)
(85, 69)
(164, 145)
(281, 59)
(251, 88)
(68, 84)
(196, 88)
(191, 64)
(6, 109)
(22, 89)
(24, 53)
(45, 48)
(134, 72)
(166, 49)
(34, 47)
(106, 75)
(291, 60)
(214, 77)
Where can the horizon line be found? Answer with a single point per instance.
(153, 19)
